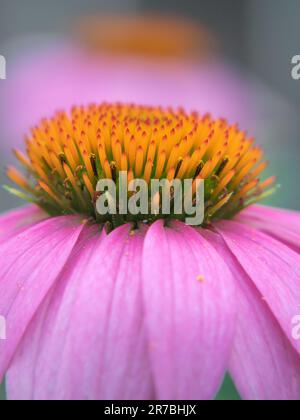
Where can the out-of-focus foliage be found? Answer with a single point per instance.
(2, 392)
(228, 391)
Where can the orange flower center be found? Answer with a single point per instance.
(68, 154)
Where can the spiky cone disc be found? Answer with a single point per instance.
(68, 154)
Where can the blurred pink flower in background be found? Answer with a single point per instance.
(120, 59)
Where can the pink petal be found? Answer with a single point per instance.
(280, 224)
(15, 221)
(30, 263)
(281, 217)
(88, 340)
(273, 267)
(190, 312)
(263, 363)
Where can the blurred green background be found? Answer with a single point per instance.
(2, 392)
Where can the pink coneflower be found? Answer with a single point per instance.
(119, 309)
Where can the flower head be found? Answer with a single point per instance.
(152, 309)
(70, 153)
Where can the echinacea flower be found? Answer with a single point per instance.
(112, 309)
(143, 59)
